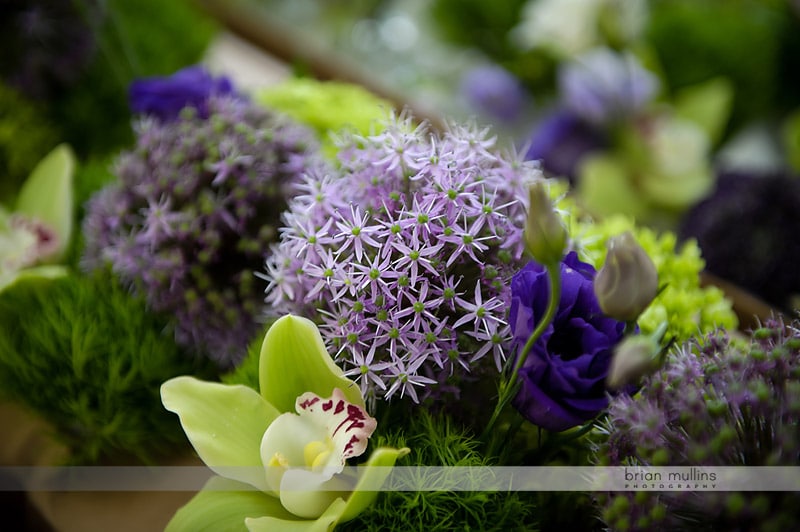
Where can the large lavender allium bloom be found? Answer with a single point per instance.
(196, 205)
(563, 377)
(165, 97)
(405, 256)
(46, 43)
(716, 402)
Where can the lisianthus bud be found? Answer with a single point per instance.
(628, 281)
(545, 234)
(634, 357)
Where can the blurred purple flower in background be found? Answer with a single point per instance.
(603, 87)
(495, 92)
(563, 378)
(561, 140)
(47, 44)
(747, 229)
(165, 97)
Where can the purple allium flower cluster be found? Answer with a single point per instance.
(46, 43)
(405, 256)
(716, 402)
(196, 204)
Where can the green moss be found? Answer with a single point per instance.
(89, 359)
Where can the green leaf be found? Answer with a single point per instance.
(48, 196)
(224, 505)
(791, 140)
(294, 361)
(224, 423)
(605, 187)
(323, 523)
(375, 472)
(708, 105)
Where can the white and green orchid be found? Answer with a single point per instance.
(289, 442)
(36, 232)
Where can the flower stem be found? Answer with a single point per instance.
(509, 386)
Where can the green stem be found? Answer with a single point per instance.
(554, 274)
(508, 385)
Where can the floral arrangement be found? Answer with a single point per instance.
(321, 299)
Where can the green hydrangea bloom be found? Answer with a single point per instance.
(688, 308)
(326, 106)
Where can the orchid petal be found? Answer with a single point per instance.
(224, 423)
(375, 472)
(224, 504)
(294, 360)
(309, 494)
(348, 425)
(38, 272)
(323, 523)
(283, 446)
(47, 194)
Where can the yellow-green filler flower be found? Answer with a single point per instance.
(290, 441)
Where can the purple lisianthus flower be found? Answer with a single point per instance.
(165, 97)
(561, 140)
(495, 92)
(563, 378)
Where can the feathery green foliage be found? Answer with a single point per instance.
(90, 360)
(436, 441)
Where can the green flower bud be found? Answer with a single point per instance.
(634, 357)
(628, 281)
(545, 233)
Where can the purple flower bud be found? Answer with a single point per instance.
(165, 97)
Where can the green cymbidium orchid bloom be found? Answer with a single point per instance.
(38, 229)
(290, 442)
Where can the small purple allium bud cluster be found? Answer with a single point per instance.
(196, 203)
(405, 255)
(716, 402)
